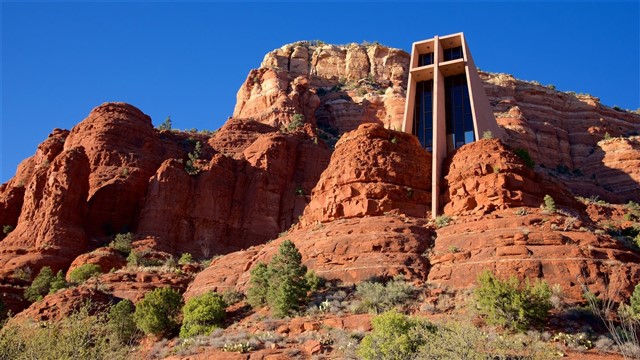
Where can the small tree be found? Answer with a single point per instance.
(202, 314)
(166, 125)
(84, 272)
(507, 303)
(549, 204)
(157, 312)
(191, 166)
(296, 121)
(40, 285)
(258, 286)
(120, 321)
(283, 284)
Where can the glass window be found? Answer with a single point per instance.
(425, 59)
(459, 119)
(423, 114)
(453, 53)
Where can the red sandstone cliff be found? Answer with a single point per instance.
(361, 214)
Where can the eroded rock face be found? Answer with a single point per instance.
(349, 250)
(563, 131)
(334, 87)
(372, 171)
(560, 249)
(12, 192)
(233, 203)
(124, 150)
(484, 176)
(50, 230)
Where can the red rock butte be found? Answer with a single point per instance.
(314, 154)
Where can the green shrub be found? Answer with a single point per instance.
(166, 125)
(282, 284)
(524, 155)
(487, 134)
(376, 297)
(191, 166)
(58, 282)
(508, 303)
(120, 321)
(84, 272)
(296, 121)
(122, 243)
(635, 301)
(460, 340)
(232, 297)
(606, 136)
(202, 314)
(185, 259)
(394, 336)
(549, 204)
(157, 312)
(7, 229)
(442, 221)
(40, 285)
(77, 336)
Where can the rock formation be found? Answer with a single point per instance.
(334, 87)
(311, 147)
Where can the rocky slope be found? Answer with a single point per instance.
(355, 212)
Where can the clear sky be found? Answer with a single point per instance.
(188, 60)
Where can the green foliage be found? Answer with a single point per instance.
(258, 286)
(376, 297)
(606, 136)
(460, 340)
(7, 229)
(394, 336)
(508, 303)
(232, 297)
(23, 273)
(297, 121)
(166, 125)
(58, 282)
(77, 336)
(283, 284)
(549, 204)
(83, 273)
(120, 321)
(40, 285)
(442, 221)
(122, 243)
(157, 312)
(635, 300)
(487, 134)
(202, 314)
(313, 281)
(133, 259)
(191, 166)
(394, 140)
(185, 259)
(523, 154)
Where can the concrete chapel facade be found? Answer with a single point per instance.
(446, 105)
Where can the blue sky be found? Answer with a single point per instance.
(187, 60)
